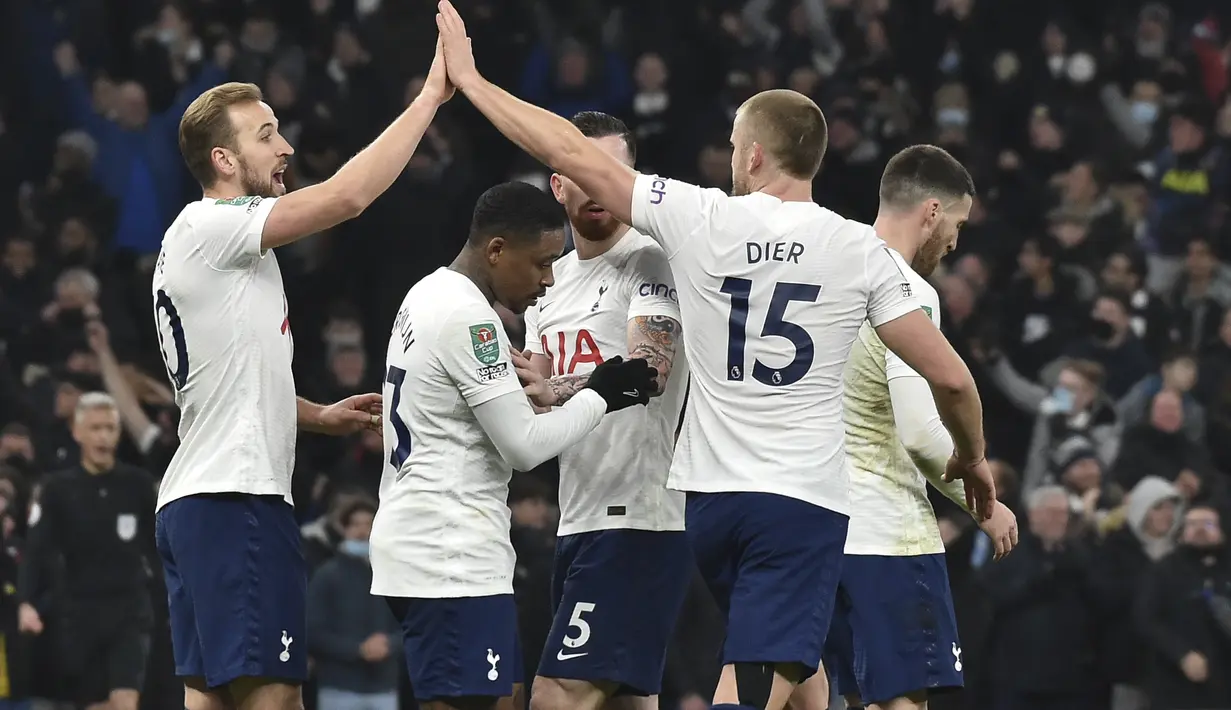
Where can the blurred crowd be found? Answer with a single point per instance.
(1090, 292)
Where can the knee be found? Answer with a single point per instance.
(559, 694)
(198, 697)
(547, 694)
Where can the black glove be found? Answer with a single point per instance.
(623, 383)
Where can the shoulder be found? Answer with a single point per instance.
(643, 252)
(59, 479)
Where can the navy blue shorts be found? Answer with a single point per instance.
(460, 647)
(772, 564)
(894, 632)
(616, 596)
(237, 584)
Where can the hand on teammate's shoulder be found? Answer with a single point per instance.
(624, 383)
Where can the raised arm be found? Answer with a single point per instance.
(548, 137)
(364, 177)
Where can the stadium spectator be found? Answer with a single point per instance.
(1184, 613)
(352, 636)
(1145, 535)
(1045, 615)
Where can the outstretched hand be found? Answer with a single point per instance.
(459, 58)
(437, 84)
(355, 413)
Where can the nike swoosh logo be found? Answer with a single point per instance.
(632, 393)
(562, 656)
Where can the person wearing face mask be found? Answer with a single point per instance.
(1076, 406)
(351, 634)
(1111, 343)
(1184, 613)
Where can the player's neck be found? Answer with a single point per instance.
(96, 467)
(898, 234)
(223, 191)
(466, 265)
(587, 249)
(788, 189)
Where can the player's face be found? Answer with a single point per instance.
(941, 236)
(522, 274)
(97, 431)
(590, 222)
(263, 152)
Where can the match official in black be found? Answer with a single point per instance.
(99, 518)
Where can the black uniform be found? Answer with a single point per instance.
(103, 526)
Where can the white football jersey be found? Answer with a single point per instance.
(890, 511)
(442, 529)
(616, 477)
(225, 337)
(772, 295)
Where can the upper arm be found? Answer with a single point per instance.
(925, 350)
(895, 366)
(534, 341)
(473, 349)
(307, 211)
(228, 232)
(671, 211)
(653, 311)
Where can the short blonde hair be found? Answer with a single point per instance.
(207, 125)
(791, 128)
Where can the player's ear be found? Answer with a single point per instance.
(932, 212)
(756, 157)
(495, 247)
(222, 160)
(557, 187)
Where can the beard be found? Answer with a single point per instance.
(739, 186)
(589, 228)
(253, 183)
(929, 255)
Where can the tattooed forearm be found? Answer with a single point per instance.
(653, 338)
(563, 387)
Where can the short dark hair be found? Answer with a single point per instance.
(517, 211)
(921, 172)
(362, 505)
(790, 127)
(596, 124)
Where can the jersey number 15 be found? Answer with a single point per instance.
(740, 291)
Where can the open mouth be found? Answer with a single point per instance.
(593, 211)
(277, 177)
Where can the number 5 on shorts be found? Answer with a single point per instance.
(576, 622)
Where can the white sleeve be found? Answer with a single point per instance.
(652, 287)
(474, 350)
(228, 232)
(534, 343)
(890, 295)
(923, 434)
(526, 439)
(895, 367)
(671, 211)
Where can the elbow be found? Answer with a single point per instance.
(521, 456)
(566, 154)
(954, 383)
(352, 205)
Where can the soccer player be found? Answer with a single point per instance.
(225, 528)
(623, 562)
(457, 422)
(896, 444)
(773, 290)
